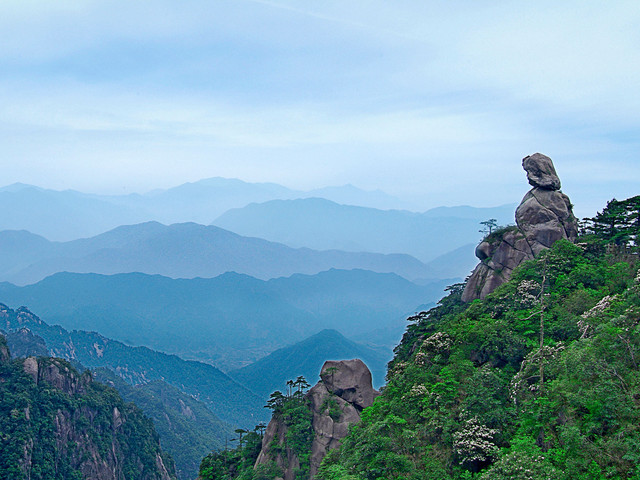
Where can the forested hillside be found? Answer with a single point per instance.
(138, 365)
(58, 424)
(539, 380)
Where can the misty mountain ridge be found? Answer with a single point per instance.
(322, 224)
(230, 320)
(69, 214)
(186, 250)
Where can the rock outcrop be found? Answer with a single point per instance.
(58, 412)
(335, 402)
(543, 217)
(4, 350)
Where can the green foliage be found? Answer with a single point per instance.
(540, 380)
(237, 463)
(330, 407)
(618, 223)
(188, 429)
(50, 433)
(293, 411)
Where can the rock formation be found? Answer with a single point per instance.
(4, 350)
(59, 413)
(336, 402)
(544, 216)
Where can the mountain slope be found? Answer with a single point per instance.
(538, 380)
(188, 429)
(305, 358)
(322, 224)
(230, 320)
(186, 250)
(227, 399)
(57, 423)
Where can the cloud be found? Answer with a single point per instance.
(433, 99)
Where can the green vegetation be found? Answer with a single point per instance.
(54, 434)
(292, 418)
(138, 365)
(188, 430)
(498, 233)
(618, 223)
(540, 380)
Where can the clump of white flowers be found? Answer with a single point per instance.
(527, 380)
(527, 293)
(438, 342)
(599, 307)
(419, 391)
(474, 443)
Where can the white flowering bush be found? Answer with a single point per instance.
(599, 307)
(474, 443)
(527, 381)
(439, 342)
(527, 293)
(521, 465)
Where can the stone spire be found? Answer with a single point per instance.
(543, 217)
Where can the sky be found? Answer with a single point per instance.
(433, 101)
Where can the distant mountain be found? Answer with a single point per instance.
(350, 195)
(306, 358)
(456, 265)
(226, 398)
(62, 215)
(321, 224)
(68, 215)
(230, 320)
(185, 250)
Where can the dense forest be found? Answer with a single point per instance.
(539, 380)
(58, 424)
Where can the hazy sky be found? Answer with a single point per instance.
(432, 99)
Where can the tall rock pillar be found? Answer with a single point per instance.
(543, 217)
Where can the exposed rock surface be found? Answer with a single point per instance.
(23, 343)
(540, 172)
(543, 217)
(4, 350)
(89, 429)
(336, 402)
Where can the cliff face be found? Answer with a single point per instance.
(61, 424)
(334, 403)
(544, 216)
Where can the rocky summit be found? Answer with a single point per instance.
(335, 402)
(544, 216)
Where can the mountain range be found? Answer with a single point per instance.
(227, 399)
(322, 224)
(184, 250)
(188, 429)
(306, 358)
(230, 320)
(68, 215)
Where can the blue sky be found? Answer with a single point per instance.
(435, 101)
